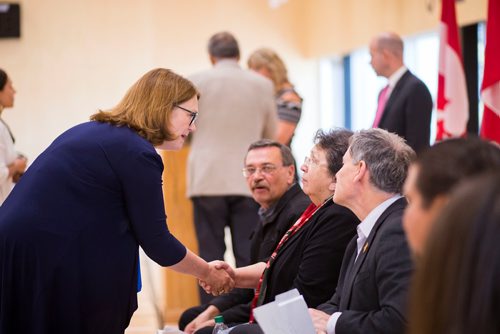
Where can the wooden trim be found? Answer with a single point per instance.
(181, 291)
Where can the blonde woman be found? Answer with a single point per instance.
(289, 104)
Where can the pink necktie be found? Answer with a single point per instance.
(382, 100)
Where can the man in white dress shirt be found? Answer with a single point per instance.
(405, 104)
(371, 293)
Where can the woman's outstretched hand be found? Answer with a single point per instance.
(219, 280)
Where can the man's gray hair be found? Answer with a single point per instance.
(386, 155)
(223, 45)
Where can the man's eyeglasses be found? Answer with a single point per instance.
(193, 114)
(266, 169)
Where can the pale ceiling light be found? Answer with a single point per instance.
(276, 3)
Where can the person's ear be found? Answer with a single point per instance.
(362, 171)
(386, 54)
(290, 178)
(332, 186)
(438, 203)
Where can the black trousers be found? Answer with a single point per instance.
(211, 215)
(193, 312)
(190, 314)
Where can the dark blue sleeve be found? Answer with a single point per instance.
(140, 171)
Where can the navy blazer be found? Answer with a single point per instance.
(372, 292)
(408, 111)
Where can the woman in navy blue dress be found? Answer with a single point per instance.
(70, 230)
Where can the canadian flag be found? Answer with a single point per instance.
(452, 101)
(490, 90)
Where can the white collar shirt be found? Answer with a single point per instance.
(364, 229)
(394, 78)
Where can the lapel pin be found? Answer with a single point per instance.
(365, 247)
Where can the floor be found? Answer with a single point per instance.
(145, 320)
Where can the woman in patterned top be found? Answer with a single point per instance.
(289, 104)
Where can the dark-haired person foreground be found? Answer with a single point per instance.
(71, 229)
(269, 172)
(433, 176)
(12, 165)
(310, 254)
(456, 288)
(371, 294)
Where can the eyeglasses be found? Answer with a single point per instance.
(310, 162)
(266, 169)
(193, 114)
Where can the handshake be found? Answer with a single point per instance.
(221, 278)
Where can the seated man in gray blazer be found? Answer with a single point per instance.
(371, 293)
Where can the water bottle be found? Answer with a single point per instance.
(220, 326)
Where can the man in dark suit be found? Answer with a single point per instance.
(405, 104)
(371, 293)
(270, 175)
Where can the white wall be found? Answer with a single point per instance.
(77, 56)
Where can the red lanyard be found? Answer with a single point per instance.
(304, 218)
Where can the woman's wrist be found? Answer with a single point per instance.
(204, 271)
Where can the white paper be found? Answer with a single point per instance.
(288, 314)
(290, 294)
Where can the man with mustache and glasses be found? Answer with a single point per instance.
(309, 256)
(270, 174)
